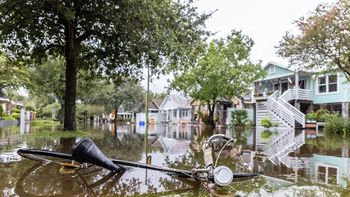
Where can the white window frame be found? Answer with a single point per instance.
(327, 175)
(337, 82)
(327, 85)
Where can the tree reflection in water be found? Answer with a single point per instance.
(46, 180)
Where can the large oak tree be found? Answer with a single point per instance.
(323, 40)
(112, 37)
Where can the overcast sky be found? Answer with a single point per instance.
(265, 21)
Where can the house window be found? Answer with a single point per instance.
(322, 87)
(332, 83)
(321, 174)
(328, 84)
(327, 174)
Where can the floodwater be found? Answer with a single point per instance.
(316, 166)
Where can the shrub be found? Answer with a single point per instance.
(16, 115)
(335, 124)
(320, 114)
(267, 122)
(8, 117)
(266, 134)
(15, 110)
(30, 107)
(311, 116)
(239, 118)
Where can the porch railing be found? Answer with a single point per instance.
(292, 94)
(280, 145)
(280, 110)
(301, 94)
(296, 162)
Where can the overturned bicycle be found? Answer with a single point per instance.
(85, 154)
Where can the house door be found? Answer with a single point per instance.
(302, 84)
(284, 87)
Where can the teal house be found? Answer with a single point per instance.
(287, 94)
(330, 169)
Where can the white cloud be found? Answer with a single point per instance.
(265, 21)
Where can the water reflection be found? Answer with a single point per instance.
(314, 161)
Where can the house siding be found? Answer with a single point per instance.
(342, 95)
(342, 164)
(278, 71)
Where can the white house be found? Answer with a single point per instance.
(175, 109)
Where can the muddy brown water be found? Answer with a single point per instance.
(326, 171)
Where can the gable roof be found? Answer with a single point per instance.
(278, 65)
(283, 71)
(179, 101)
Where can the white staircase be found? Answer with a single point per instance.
(280, 110)
(281, 146)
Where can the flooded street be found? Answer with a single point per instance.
(307, 171)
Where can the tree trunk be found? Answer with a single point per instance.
(91, 120)
(211, 121)
(116, 115)
(71, 78)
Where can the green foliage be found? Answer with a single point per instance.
(311, 116)
(30, 107)
(13, 74)
(113, 38)
(15, 115)
(48, 78)
(335, 124)
(268, 123)
(240, 118)
(266, 134)
(129, 94)
(222, 70)
(320, 114)
(43, 123)
(16, 110)
(50, 111)
(322, 41)
(330, 142)
(7, 117)
(84, 111)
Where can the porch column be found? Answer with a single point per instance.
(296, 86)
(345, 109)
(345, 152)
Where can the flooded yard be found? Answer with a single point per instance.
(317, 166)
